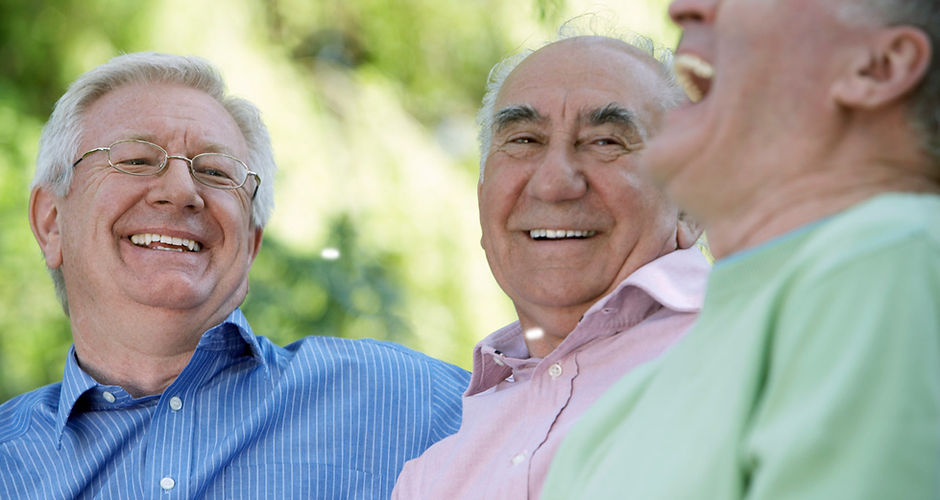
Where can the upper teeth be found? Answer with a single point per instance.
(688, 66)
(560, 233)
(147, 238)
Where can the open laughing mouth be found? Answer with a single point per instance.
(163, 242)
(694, 75)
(559, 234)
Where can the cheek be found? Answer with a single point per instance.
(230, 209)
(629, 190)
(489, 225)
(75, 221)
(642, 206)
(497, 197)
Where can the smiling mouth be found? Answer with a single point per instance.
(559, 234)
(164, 242)
(694, 75)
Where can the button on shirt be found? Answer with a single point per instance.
(518, 409)
(321, 418)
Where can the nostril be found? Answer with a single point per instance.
(690, 11)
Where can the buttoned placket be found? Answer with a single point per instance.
(552, 382)
(170, 452)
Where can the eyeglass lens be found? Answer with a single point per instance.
(212, 169)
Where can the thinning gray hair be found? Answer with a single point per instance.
(587, 25)
(62, 134)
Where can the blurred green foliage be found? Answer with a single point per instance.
(370, 105)
(357, 292)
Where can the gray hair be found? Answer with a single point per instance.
(62, 134)
(925, 100)
(588, 25)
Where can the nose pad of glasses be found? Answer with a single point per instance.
(190, 181)
(188, 165)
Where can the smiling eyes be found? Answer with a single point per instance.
(526, 146)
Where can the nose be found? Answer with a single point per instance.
(684, 12)
(175, 186)
(558, 177)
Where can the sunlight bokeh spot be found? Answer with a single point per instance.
(534, 333)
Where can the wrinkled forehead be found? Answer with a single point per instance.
(570, 78)
(162, 113)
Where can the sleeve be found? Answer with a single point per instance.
(851, 402)
(448, 383)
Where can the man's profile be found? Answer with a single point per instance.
(811, 155)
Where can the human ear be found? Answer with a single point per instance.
(256, 242)
(688, 231)
(480, 211)
(891, 66)
(44, 221)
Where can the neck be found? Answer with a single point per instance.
(555, 322)
(554, 326)
(143, 355)
(804, 199)
(838, 160)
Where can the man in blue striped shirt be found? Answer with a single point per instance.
(151, 192)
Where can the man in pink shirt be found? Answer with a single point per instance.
(600, 266)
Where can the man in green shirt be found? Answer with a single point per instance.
(811, 151)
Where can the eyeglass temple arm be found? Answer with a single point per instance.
(257, 183)
(88, 153)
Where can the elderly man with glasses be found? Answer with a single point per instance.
(151, 193)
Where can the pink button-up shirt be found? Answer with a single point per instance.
(518, 409)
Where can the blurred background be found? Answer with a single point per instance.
(370, 105)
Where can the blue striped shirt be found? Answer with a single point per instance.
(321, 418)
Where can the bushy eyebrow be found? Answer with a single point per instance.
(517, 113)
(613, 113)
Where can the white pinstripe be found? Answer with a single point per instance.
(321, 418)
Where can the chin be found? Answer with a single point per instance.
(179, 298)
(564, 297)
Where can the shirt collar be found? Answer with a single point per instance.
(76, 382)
(675, 281)
(222, 337)
(493, 355)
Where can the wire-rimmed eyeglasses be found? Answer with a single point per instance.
(139, 157)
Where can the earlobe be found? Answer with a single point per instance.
(892, 66)
(44, 221)
(688, 231)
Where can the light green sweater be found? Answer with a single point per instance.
(813, 372)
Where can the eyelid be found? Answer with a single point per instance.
(630, 141)
(593, 139)
(512, 137)
(608, 138)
